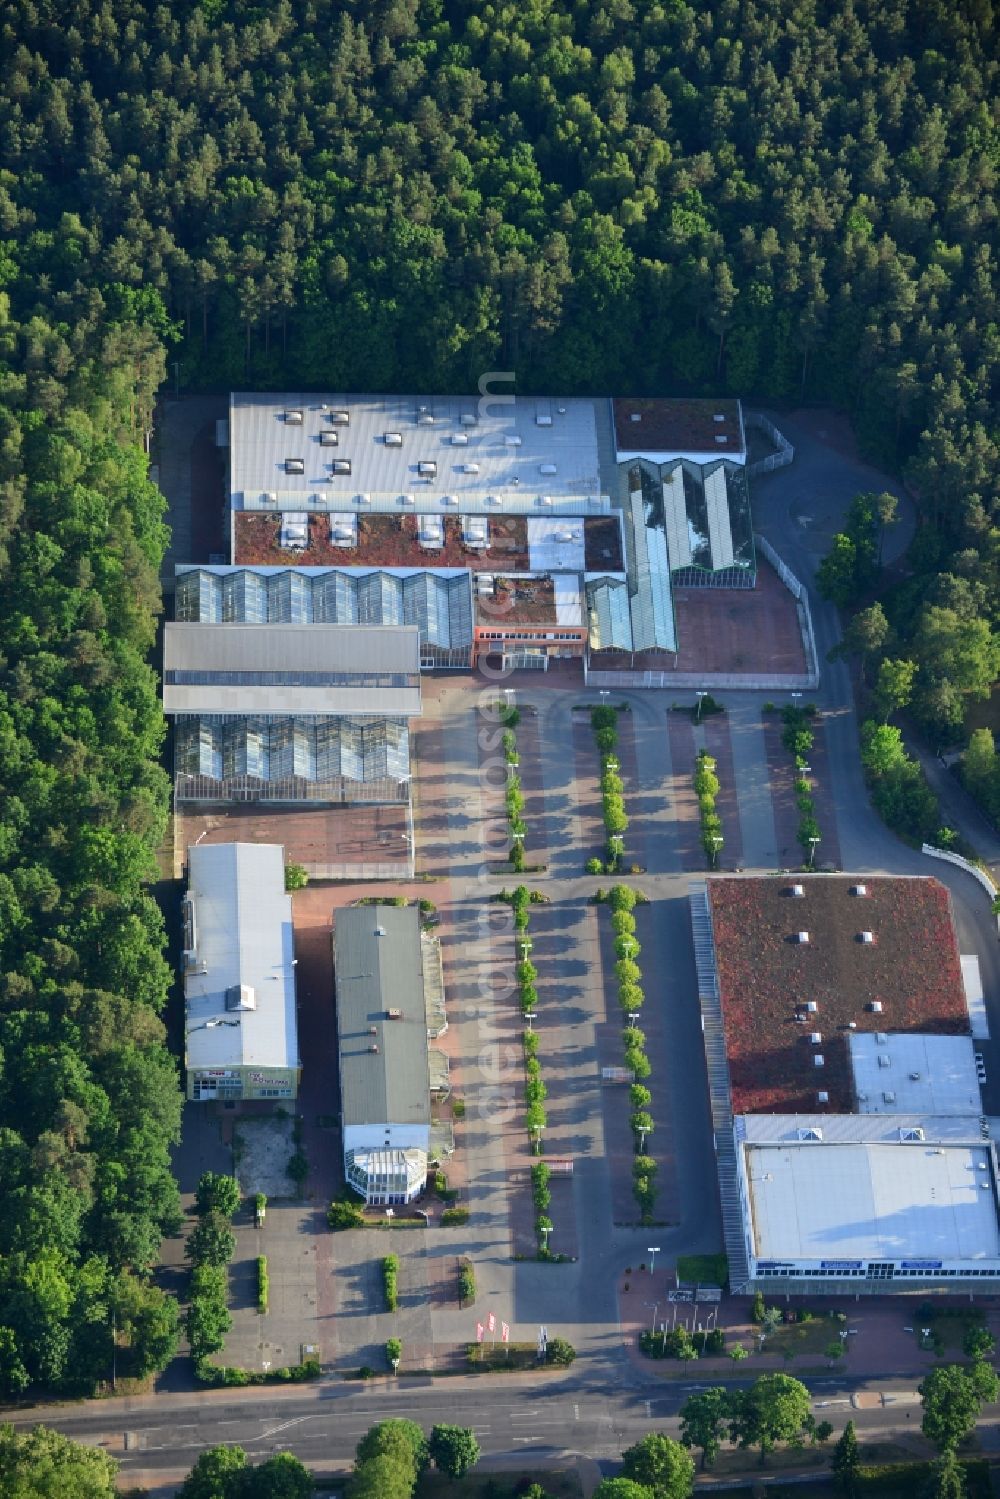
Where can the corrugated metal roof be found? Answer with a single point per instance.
(608, 613)
(720, 533)
(291, 669)
(505, 443)
(243, 936)
(675, 518)
(759, 1129)
(375, 974)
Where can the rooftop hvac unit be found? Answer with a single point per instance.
(911, 1132)
(373, 1048)
(810, 1132)
(561, 410)
(852, 1025)
(320, 497)
(394, 1014)
(881, 1039)
(720, 439)
(859, 889)
(718, 417)
(635, 416)
(241, 997)
(460, 439)
(427, 467)
(425, 419)
(340, 418)
(449, 499)
(822, 1096)
(914, 1077)
(866, 938)
(819, 1060)
(406, 499)
(547, 468)
(811, 1007)
(364, 499)
(885, 1060)
(269, 497)
(393, 439)
(328, 438)
(888, 1098)
(801, 937)
(875, 1005)
(373, 1030)
(294, 466)
(862, 1098)
(470, 468)
(323, 406)
(293, 418)
(380, 931)
(795, 890)
(512, 440)
(816, 1037)
(468, 419)
(543, 421)
(984, 1186)
(545, 499)
(340, 466)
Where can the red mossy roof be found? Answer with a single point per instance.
(678, 426)
(766, 978)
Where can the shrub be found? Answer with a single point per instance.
(558, 1351)
(218, 1194)
(345, 1212)
(296, 877)
(594, 866)
(263, 1285)
(390, 1273)
(453, 1217)
(530, 1043)
(466, 1282)
(458, 1108)
(298, 1168)
(393, 1352)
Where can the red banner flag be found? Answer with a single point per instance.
(479, 1332)
(505, 1332)
(491, 1322)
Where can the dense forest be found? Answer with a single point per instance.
(794, 200)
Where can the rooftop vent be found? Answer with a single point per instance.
(859, 890)
(543, 421)
(819, 1060)
(866, 938)
(468, 419)
(470, 468)
(427, 468)
(241, 997)
(394, 1014)
(801, 938)
(512, 440)
(547, 468)
(635, 416)
(875, 1005)
(718, 417)
(888, 1098)
(885, 1060)
(822, 1096)
(380, 931)
(816, 1037)
(795, 890)
(881, 1039)
(719, 438)
(340, 418)
(340, 466)
(393, 439)
(460, 439)
(328, 438)
(914, 1077)
(810, 1132)
(374, 1049)
(295, 466)
(293, 418)
(811, 1007)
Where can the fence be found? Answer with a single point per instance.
(724, 681)
(801, 598)
(977, 874)
(337, 790)
(785, 452)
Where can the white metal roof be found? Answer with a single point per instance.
(675, 518)
(922, 1074)
(608, 614)
(975, 998)
(720, 530)
(555, 544)
(826, 1201)
(506, 443)
(243, 937)
(652, 606)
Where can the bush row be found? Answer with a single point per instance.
(513, 795)
(263, 1285)
(706, 785)
(535, 1092)
(631, 998)
(210, 1247)
(604, 722)
(798, 739)
(231, 1374)
(390, 1275)
(466, 1283)
(679, 1343)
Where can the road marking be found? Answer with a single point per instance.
(273, 1430)
(576, 1413)
(649, 1410)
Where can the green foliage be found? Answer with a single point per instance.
(705, 1422)
(466, 1283)
(846, 1462)
(899, 791)
(454, 1217)
(622, 1488)
(558, 1351)
(661, 1464)
(774, 1409)
(952, 1398)
(211, 1241)
(453, 1450)
(345, 1212)
(43, 1464)
(390, 1274)
(393, 1351)
(218, 1194)
(218, 1473)
(208, 1318)
(263, 1284)
(296, 877)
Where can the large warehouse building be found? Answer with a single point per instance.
(240, 1027)
(851, 1143)
(385, 1074)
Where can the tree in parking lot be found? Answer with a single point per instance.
(952, 1399)
(218, 1194)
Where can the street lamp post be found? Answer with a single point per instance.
(717, 841)
(700, 696)
(812, 850)
(633, 1016)
(656, 1307)
(529, 1017)
(652, 1252)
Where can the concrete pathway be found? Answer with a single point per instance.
(753, 785)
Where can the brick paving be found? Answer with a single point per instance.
(743, 630)
(587, 790)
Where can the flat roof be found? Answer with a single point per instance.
(242, 931)
(767, 978)
(378, 968)
(291, 669)
(870, 1201)
(908, 1074)
(537, 444)
(516, 543)
(666, 428)
(525, 599)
